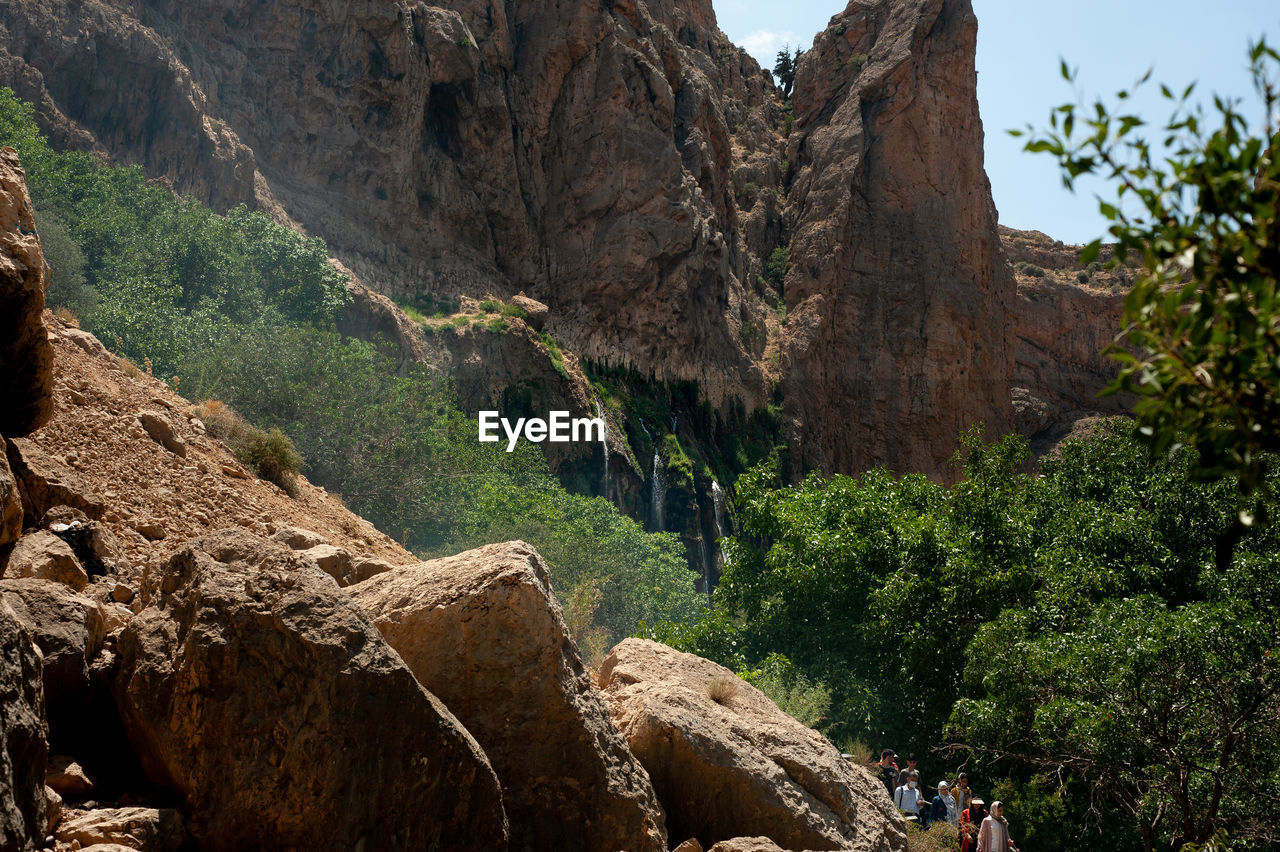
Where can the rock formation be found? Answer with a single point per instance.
(252, 688)
(621, 163)
(898, 300)
(523, 692)
(26, 359)
(726, 762)
(1066, 315)
(22, 738)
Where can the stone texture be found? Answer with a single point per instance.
(739, 766)
(482, 630)
(254, 690)
(161, 430)
(69, 630)
(333, 561)
(899, 328)
(747, 844)
(147, 829)
(26, 358)
(44, 556)
(298, 538)
(66, 777)
(45, 482)
(23, 751)
(10, 506)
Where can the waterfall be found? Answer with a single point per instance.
(657, 492)
(717, 502)
(604, 449)
(708, 569)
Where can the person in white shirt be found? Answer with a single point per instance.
(907, 797)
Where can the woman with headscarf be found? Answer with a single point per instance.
(993, 835)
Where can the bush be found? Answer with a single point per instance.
(514, 311)
(779, 263)
(267, 452)
(489, 306)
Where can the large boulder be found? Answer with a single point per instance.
(252, 687)
(26, 356)
(46, 483)
(483, 631)
(67, 627)
(23, 751)
(727, 763)
(45, 556)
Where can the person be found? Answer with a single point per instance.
(993, 836)
(907, 796)
(962, 792)
(887, 771)
(943, 806)
(911, 763)
(970, 824)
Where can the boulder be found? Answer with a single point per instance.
(26, 356)
(10, 506)
(161, 430)
(67, 778)
(44, 482)
(149, 829)
(734, 765)
(23, 752)
(298, 538)
(92, 542)
(67, 627)
(333, 561)
(53, 808)
(747, 844)
(535, 312)
(483, 631)
(365, 568)
(45, 556)
(253, 689)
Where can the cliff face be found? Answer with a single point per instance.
(622, 163)
(899, 329)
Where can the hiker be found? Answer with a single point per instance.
(943, 806)
(907, 797)
(993, 836)
(970, 824)
(887, 771)
(962, 792)
(911, 763)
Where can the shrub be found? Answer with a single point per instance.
(514, 311)
(489, 306)
(778, 264)
(722, 688)
(267, 452)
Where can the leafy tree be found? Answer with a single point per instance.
(1202, 210)
(785, 69)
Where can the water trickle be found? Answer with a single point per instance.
(604, 451)
(717, 503)
(658, 493)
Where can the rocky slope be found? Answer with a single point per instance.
(193, 658)
(622, 163)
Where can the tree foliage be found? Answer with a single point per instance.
(1198, 199)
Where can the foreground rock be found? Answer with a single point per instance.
(254, 689)
(149, 829)
(739, 766)
(68, 629)
(569, 781)
(23, 752)
(10, 505)
(44, 556)
(26, 358)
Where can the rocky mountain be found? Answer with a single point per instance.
(190, 657)
(622, 163)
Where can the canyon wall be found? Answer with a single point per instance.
(621, 162)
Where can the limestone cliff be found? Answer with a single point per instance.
(898, 298)
(622, 163)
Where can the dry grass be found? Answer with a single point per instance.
(858, 751)
(722, 688)
(64, 313)
(941, 837)
(269, 453)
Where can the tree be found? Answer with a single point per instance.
(1202, 209)
(785, 69)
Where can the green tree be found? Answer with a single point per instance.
(785, 69)
(1200, 205)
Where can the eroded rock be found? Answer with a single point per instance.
(483, 631)
(162, 431)
(42, 555)
(26, 358)
(45, 482)
(67, 627)
(146, 829)
(739, 766)
(23, 751)
(255, 690)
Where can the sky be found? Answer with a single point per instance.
(1020, 42)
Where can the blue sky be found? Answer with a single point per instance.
(1112, 42)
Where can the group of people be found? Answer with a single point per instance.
(980, 829)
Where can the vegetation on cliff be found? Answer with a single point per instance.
(242, 310)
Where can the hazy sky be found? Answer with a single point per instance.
(1112, 42)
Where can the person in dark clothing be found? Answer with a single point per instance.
(887, 771)
(938, 810)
